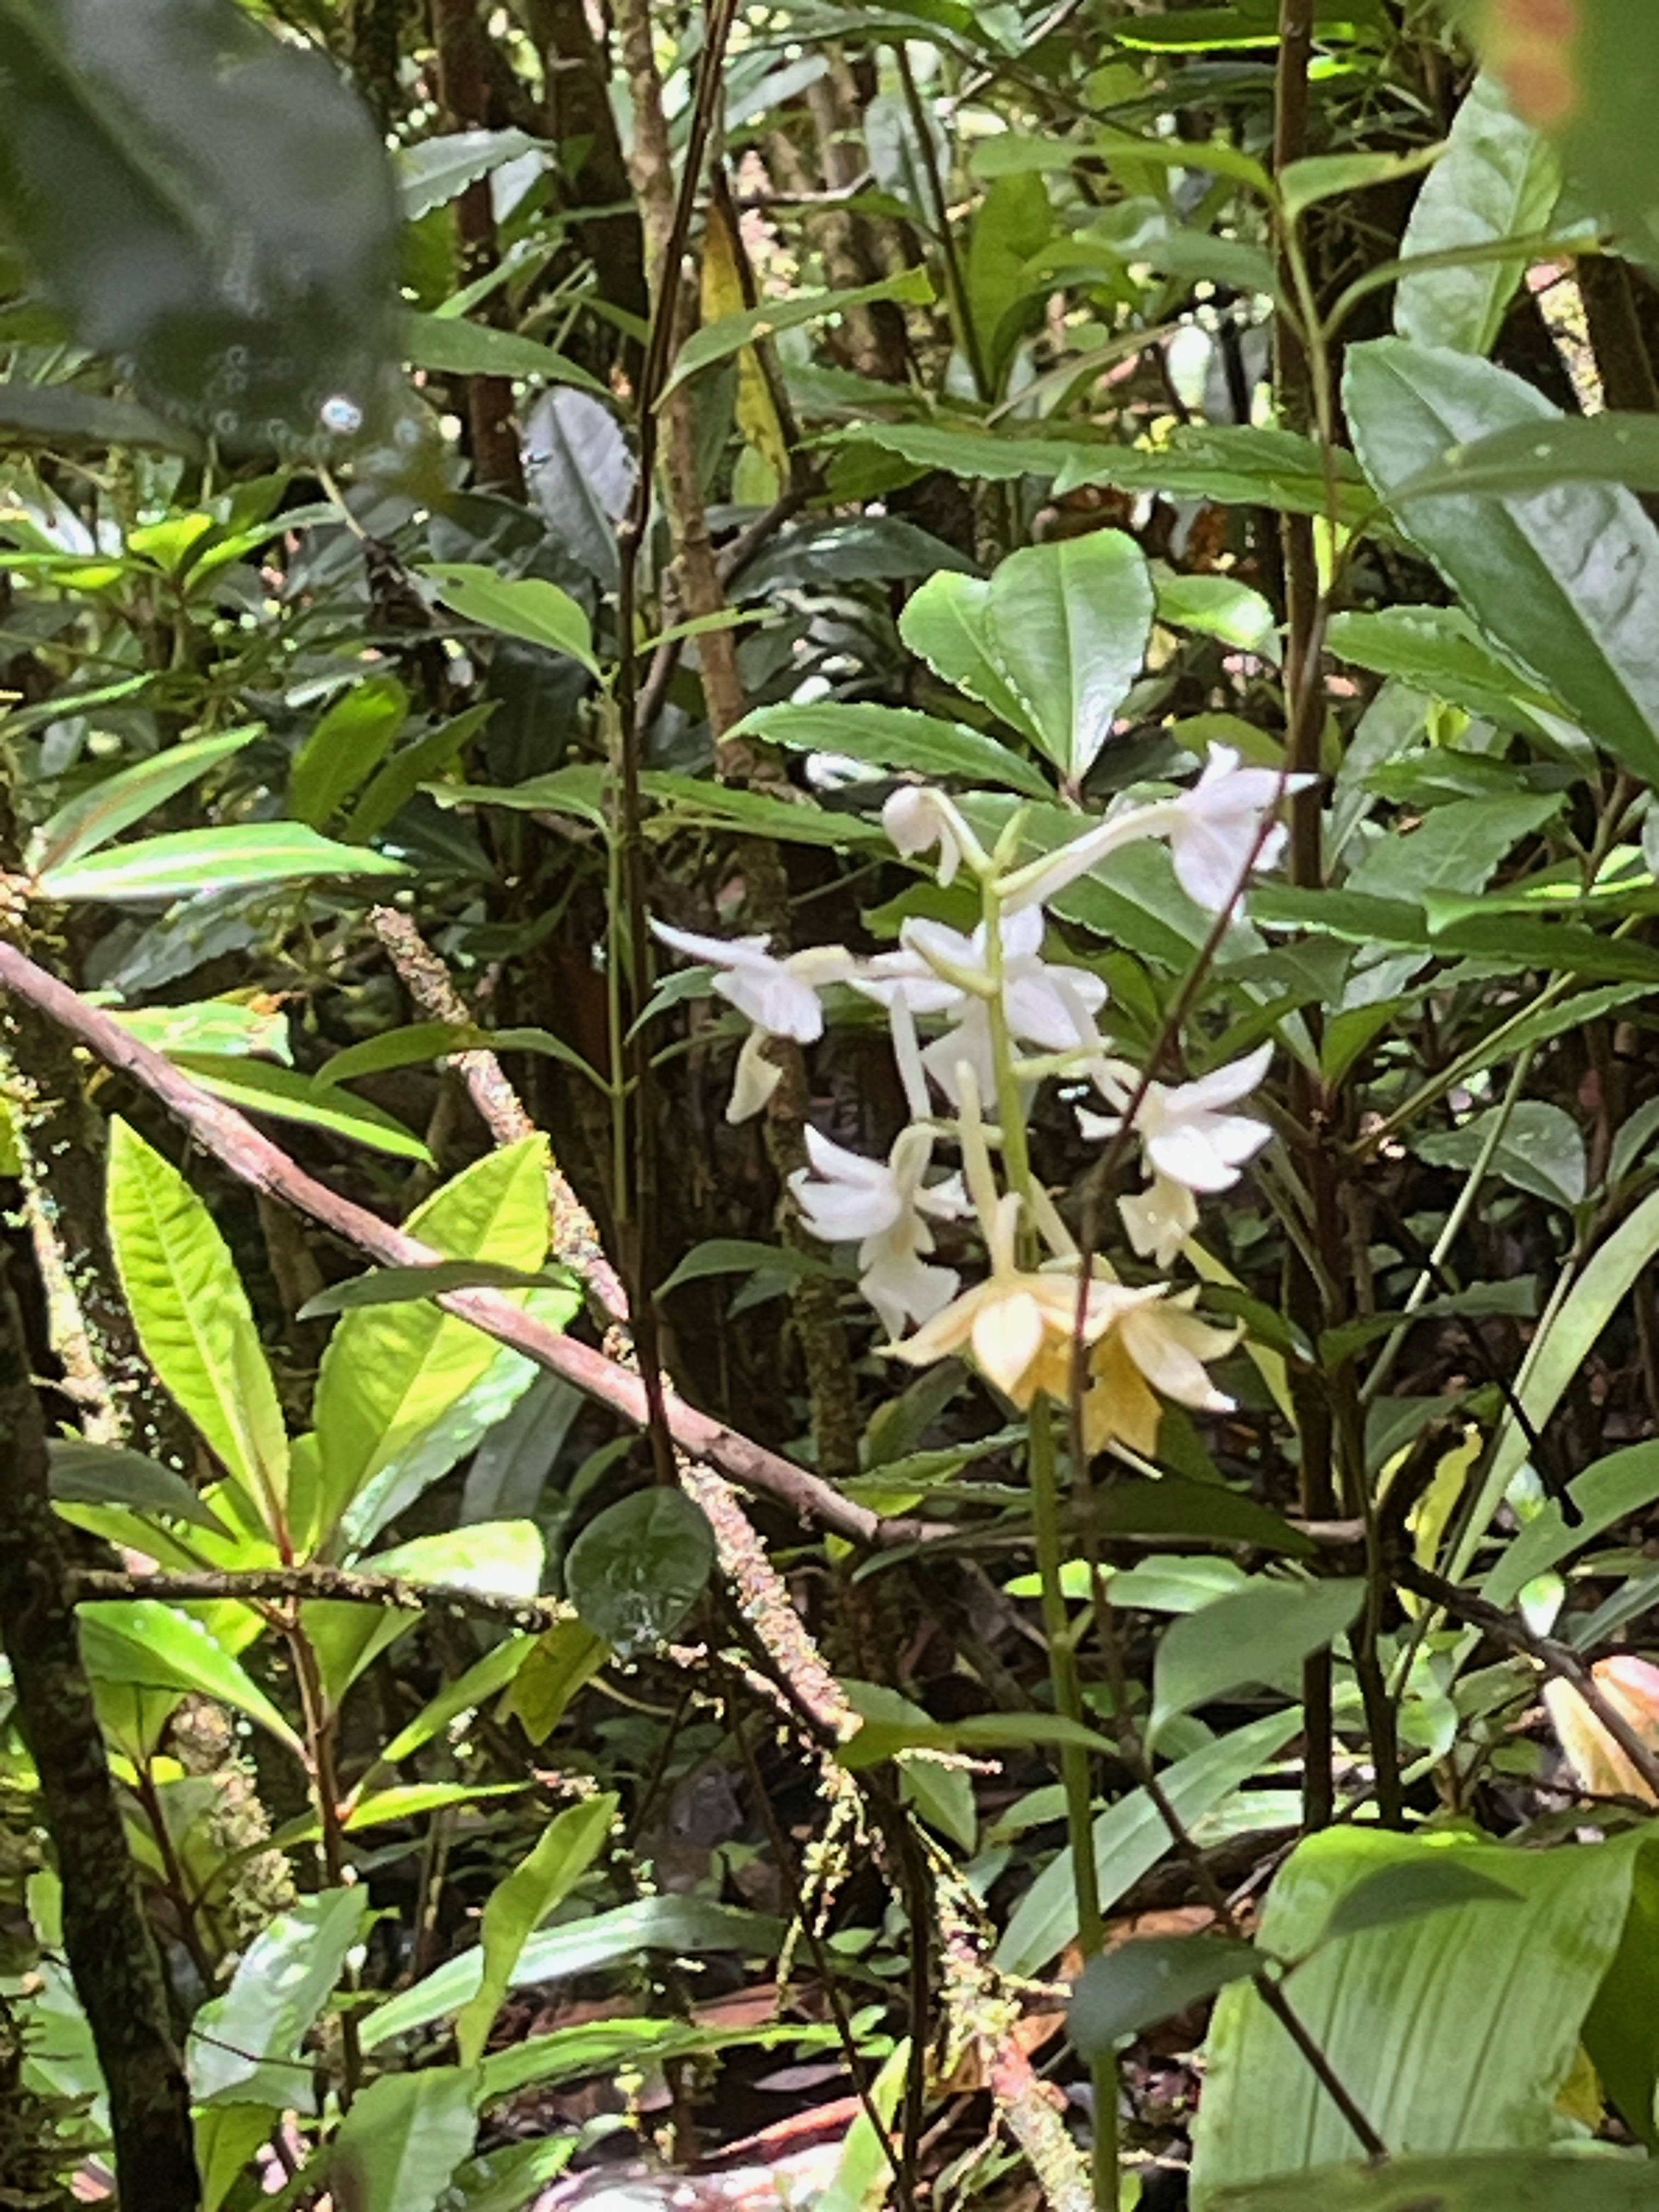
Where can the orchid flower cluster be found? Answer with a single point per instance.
(977, 1021)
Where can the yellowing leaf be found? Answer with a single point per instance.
(756, 413)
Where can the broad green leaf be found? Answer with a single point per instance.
(407, 1046)
(613, 2047)
(898, 738)
(1540, 1149)
(1497, 180)
(143, 1644)
(190, 862)
(967, 449)
(564, 1661)
(287, 1095)
(410, 767)
(1455, 846)
(525, 607)
(403, 2139)
(1477, 2009)
(1012, 224)
(1130, 1838)
(501, 1559)
(684, 1926)
(456, 346)
(245, 2045)
(1068, 623)
(1567, 582)
(223, 1028)
(739, 1256)
(193, 1318)
(560, 1857)
(1408, 1888)
(885, 1732)
(511, 2177)
(1317, 177)
(1527, 2181)
(1218, 606)
(109, 1474)
(390, 1373)
(1231, 467)
(1440, 651)
(345, 747)
(141, 195)
(637, 1569)
(114, 804)
(945, 622)
(227, 2137)
(1253, 1636)
(1621, 2034)
(1149, 1978)
(1557, 1354)
(729, 334)
(1607, 448)
(438, 170)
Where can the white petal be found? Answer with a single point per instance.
(1184, 1154)
(901, 1287)
(1159, 1220)
(757, 1078)
(1224, 1086)
(1007, 1337)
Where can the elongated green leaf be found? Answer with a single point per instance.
(193, 1318)
(897, 738)
(141, 195)
(1069, 622)
(1477, 2009)
(683, 1925)
(1527, 2181)
(1607, 448)
(1566, 581)
(1253, 1636)
(483, 1679)
(394, 1287)
(391, 1372)
(563, 1661)
(190, 862)
(1498, 178)
(1231, 467)
(410, 767)
(142, 1643)
(245, 2045)
(638, 1568)
(346, 747)
(524, 607)
(1621, 2034)
(456, 346)
(96, 816)
(1405, 1889)
(881, 1736)
(688, 802)
(739, 1256)
(222, 1028)
(65, 415)
(402, 1047)
(403, 2138)
(287, 1095)
(1149, 1978)
(1558, 1353)
(729, 334)
(1440, 651)
(1317, 177)
(515, 2176)
(109, 1474)
(503, 1558)
(1609, 1492)
(610, 2046)
(561, 1854)
(1130, 1838)
(439, 169)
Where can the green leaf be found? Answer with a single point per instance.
(682, 1926)
(392, 1372)
(481, 1679)
(525, 607)
(1440, 651)
(739, 1256)
(140, 1642)
(637, 1569)
(115, 804)
(109, 1474)
(64, 415)
(1410, 1887)
(438, 170)
(563, 1661)
(729, 334)
(245, 2044)
(689, 802)
(408, 1046)
(1479, 2008)
(1556, 1355)
(1525, 2181)
(221, 1028)
(143, 197)
(614, 2047)
(456, 346)
(897, 738)
(1623, 1483)
(1130, 1838)
(1067, 624)
(403, 2139)
(1013, 223)
(945, 622)
(1566, 581)
(1253, 1636)
(410, 767)
(1621, 2033)
(1230, 467)
(1607, 448)
(1497, 180)
(512, 2178)
(391, 1287)
(193, 1318)
(192, 861)
(1218, 606)
(287, 1095)
(499, 1559)
(345, 747)
(561, 1854)
(1317, 177)
(1540, 1150)
(1149, 1978)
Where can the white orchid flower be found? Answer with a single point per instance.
(937, 970)
(1185, 1131)
(1159, 1219)
(1215, 829)
(882, 1204)
(916, 817)
(779, 996)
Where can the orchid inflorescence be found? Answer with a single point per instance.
(999, 1018)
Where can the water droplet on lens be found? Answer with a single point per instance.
(227, 421)
(340, 414)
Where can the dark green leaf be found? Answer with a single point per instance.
(1409, 1888)
(637, 1569)
(390, 1286)
(1488, 2181)
(729, 334)
(736, 1255)
(897, 738)
(1252, 1637)
(109, 1474)
(1149, 1978)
